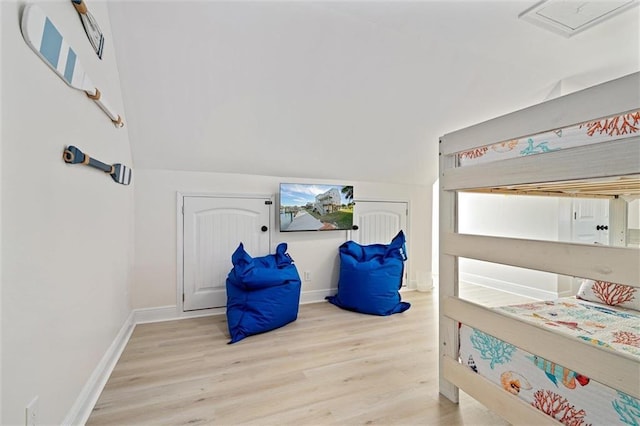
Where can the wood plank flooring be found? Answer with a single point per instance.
(329, 367)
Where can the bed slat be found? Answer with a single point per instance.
(609, 188)
(614, 264)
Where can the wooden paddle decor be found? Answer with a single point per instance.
(47, 42)
(90, 26)
(119, 172)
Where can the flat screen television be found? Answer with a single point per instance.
(315, 207)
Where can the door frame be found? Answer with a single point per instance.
(180, 245)
(407, 281)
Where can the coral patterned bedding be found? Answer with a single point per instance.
(596, 131)
(568, 396)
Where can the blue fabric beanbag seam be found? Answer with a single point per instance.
(370, 277)
(263, 293)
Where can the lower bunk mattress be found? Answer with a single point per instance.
(568, 396)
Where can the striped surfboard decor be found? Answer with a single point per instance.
(48, 43)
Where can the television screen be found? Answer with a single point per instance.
(314, 207)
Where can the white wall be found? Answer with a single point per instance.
(541, 218)
(67, 230)
(1, 125)
(509, 216)
(435, 224)
(156, 230)
(633, 220)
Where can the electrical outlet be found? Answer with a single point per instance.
(31, 413)
(307, 275)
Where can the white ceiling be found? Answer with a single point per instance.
(350, 90)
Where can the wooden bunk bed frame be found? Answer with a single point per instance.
(570, 172)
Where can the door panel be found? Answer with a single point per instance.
(213, 229)
(378, 222)
(588, 217)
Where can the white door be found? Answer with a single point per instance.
(213, 229)
(589, 225)
(378, 222)
(590, 221)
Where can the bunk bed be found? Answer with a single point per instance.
(585, 144)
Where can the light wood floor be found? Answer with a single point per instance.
(489, 297)
(330, 366)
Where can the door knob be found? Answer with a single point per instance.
(264, 228)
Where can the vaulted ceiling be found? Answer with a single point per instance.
(352, 90)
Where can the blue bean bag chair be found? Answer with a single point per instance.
(263, 293)
(370, 277)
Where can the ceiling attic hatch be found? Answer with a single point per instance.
(567, 17)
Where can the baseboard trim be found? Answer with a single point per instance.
(315, 296)
(82, 407)
(508, 287)
(158, 314)
(171, 313)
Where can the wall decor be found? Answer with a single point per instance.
(47, 42)
(119, 172)
(90, 26)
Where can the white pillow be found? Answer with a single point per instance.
(610, 293)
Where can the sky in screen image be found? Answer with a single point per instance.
(295, 194)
